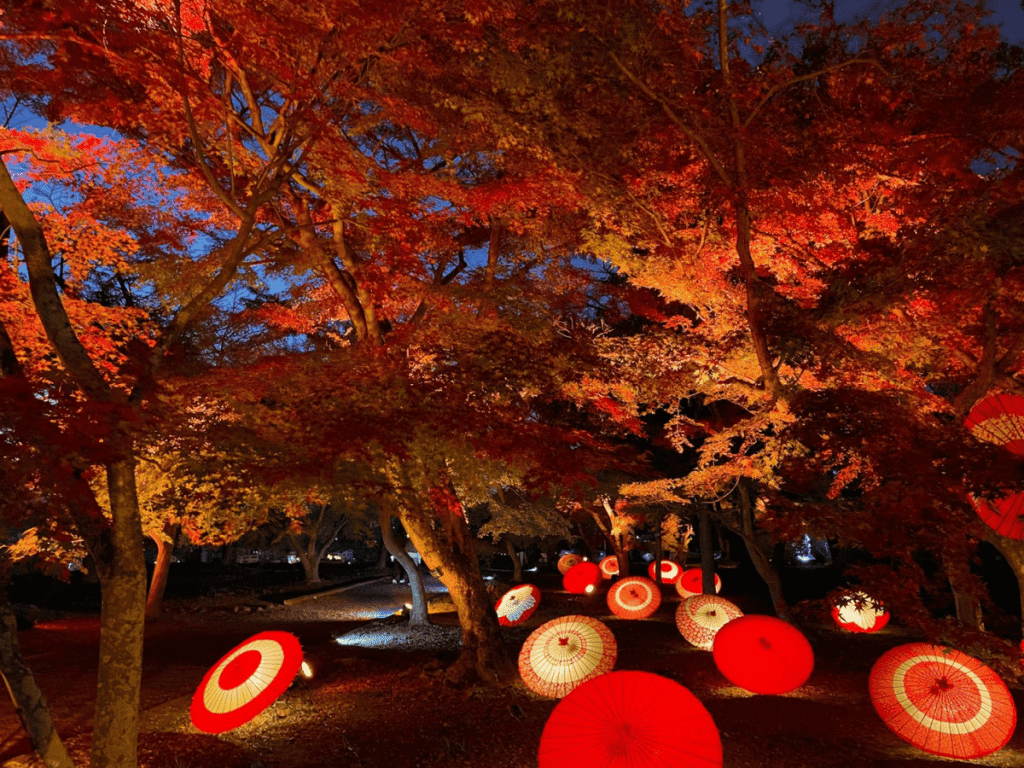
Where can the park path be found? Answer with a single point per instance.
(367, 600)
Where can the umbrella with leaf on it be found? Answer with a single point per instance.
(630, 719)
(246, 681)
(942, 700)
(859, 612)
(699, 618)
(565, 652)
(517, 605)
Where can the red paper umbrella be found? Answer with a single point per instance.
(517, 605)
(630, 720)
(942, 701)
(691, 583)
(582, 578)
(669, 571)
(634, 597)
(999, 419)
(565, 562)
(610, 566)
(858, 612)
(763, 654)
(246, 681)
(564, 652)
(700, 617)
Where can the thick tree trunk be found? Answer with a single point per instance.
(449, 551)
(517, 566)
(310, 565)
(28, 699)
(419, 615)
(165, 542)
(1013, 551)
(615, 541)
(762, 563)
(122, 572)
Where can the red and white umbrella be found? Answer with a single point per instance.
(691, 583)
(246, 681)
(669, 571)
(634, 597)
(582, 578)
(859, 612)
(609, 566)
(999, 419)
(564, 652)
(942, 701)
(700, 617)
(763, 654)
(517, 605)
(565, 562)
(630, 720)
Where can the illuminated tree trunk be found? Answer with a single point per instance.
(449, 550)
(517, 566)
(615, 541)
(420, 613)
(165, 542)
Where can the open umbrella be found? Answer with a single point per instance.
(859, 612)
(700, 617)
(582, 578)
(669, 571)
(517, 605)
(763, 654)
(690, 583)
(942, 701)
(609, 566)
(564, 652)
(999, 419)
(246, 681)
(630, 720)
(634, 597)
(565, 562)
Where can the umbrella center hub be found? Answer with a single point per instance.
(563, 641)
(624, 741)
(942, 684)
(240, 669)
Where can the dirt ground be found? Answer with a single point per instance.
(369, 708)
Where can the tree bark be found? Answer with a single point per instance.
(419, 615)
(122, 572)
(165, 542)
(707, 555)
(1013, 551)
(517, 567)
(614, 541)
(450, 552)
(762, 563)
(29, 701)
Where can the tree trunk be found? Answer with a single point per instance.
(707, 555)
(762, 563)
(1013, 551)
(615, 541)
(310, 565)
(122, 571)
(29, 701)
(165, 542)
(517, 567)
(419, 615)
(453, 558)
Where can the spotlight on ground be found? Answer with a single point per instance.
(307, 671)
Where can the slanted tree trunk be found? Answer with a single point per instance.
(762, 563)
(615, 541)
(419, 615)
(29, 701)
(1013, 551)
(707, 554)
(165, 543)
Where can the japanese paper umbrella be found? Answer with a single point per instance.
(700, 617)
(582, 578)
(858, 612)
(564, 652)
(517, 605)
(246, 681)
(942, 701)
(763, 654)
(669, 571)
(999, 419)
(691, 583)
(565, 562)
(609, 566)
(634, 597)
(630, 720)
